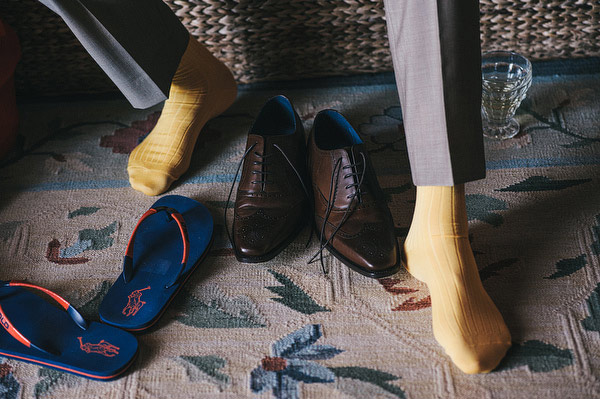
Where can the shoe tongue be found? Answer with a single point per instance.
(344, 153)
(352, 154)
(264, 147)
(355, 158)
(356, 149)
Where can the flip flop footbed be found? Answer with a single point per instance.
(99, 352)
(157, 255)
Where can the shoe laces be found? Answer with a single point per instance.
(357, 195)
(263, 180)
(263, 162)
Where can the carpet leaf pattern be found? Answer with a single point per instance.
(8, 229)
(538, 356)
(83, 211)
(372, 376)
(592, 322)
(481, 207)
(414, 302)
(411, 304)
(206, 368)
(61, 163)
(391, 286)
(217, 310)
(91, 239)
(293, 296)
(542, 183)
(494, 268)
(50, 379)
(566, 267)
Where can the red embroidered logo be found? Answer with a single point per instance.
(4, 322)
(103, 348)
(134, 303)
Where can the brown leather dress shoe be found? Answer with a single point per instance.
(272, 202)
(351, 216)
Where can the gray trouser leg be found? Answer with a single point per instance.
(437, 62)
(138, 43)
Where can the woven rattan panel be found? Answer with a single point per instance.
(274, 40)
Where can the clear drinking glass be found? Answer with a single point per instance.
(506, 78)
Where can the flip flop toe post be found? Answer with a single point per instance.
(168, 243)
(39, 332)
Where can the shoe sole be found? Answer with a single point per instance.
(367, 273)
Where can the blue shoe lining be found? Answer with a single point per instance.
(332, 131)
(275, 118)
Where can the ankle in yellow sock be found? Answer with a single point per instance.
(437, 251)
(201, 89)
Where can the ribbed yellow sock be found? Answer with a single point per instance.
(201, 89)
(437, 251)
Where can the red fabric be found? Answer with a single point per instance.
(129, 250)
(10, 53)
(62, 302)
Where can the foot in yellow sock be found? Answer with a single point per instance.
(437, 251)
(201, 89)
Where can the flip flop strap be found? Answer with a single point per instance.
(174, 214)
(15, 333)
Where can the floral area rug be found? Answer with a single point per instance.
(284, 329)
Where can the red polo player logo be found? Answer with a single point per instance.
(103, 348)
(134, 303)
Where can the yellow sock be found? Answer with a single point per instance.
(437, 251)
(201, 89)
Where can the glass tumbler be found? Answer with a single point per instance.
(506, 78)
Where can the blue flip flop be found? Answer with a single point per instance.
(168, 243)
(38, 332)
